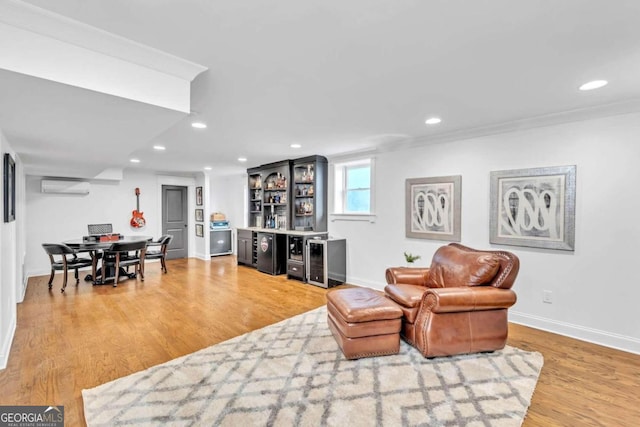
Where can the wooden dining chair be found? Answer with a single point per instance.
(161, 252)
(121, 255)
(68, 259)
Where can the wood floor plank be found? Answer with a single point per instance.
(94, 334)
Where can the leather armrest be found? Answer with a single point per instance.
(476, 298)
(405, 295)
(407, 275)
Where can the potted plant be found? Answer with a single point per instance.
(410, 258)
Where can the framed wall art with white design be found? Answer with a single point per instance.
(433, 208)
(534, 207)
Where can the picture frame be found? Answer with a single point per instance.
(433, 208)
(9, 188)
(200, 215)
(199, 230)
(198, 196)
(534, 207)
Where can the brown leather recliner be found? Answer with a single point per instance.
(459, 304)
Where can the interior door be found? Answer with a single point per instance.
(175, 220)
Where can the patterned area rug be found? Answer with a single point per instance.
(293, 373)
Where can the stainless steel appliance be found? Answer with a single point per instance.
(326, 262)
(271, 252)
(296, 248)
(295, 262)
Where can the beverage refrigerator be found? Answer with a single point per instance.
(326, 262)
(271, 253)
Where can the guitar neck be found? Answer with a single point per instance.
(137, 199)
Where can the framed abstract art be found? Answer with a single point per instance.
(432, 208)
(534, 207)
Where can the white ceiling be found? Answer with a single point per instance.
(336, 76)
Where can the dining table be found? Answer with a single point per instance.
(94, 246)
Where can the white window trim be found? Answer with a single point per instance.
(338, 190)
(352, 217)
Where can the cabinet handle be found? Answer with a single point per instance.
(306, 261)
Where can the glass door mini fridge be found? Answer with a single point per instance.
(326, 262)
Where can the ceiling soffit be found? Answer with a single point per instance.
(46, 45)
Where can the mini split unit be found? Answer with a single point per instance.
(58, 186)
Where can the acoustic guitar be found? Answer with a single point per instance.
(137, 219)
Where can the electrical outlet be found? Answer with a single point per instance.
(547, 297)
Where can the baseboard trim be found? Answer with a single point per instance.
(24, 290)
(595, 336)
(6, 345)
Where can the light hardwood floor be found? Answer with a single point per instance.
(91, 335)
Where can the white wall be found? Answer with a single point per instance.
(12, 257)
(228, 195)
(595, 289)
(60, 217)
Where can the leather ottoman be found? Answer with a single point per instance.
(364, 322)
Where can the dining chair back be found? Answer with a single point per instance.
(62, 257)
(162, 244)
(119, 255)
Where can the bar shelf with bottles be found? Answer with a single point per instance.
(309, 189)
(255, 198)
(276, 206)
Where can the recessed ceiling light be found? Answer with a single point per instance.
(433, 120)
(242, 159)
(159, 147)
(199, 125)
(134, 160)
(208, 168)
(295, 146)
(595, 84)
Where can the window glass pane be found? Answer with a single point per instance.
(358, 201)
(353, 187)
(358, 177)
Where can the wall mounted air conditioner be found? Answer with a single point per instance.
(58, 186)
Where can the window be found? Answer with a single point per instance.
(353, 184)
(357, 189)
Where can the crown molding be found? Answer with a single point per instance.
(628, 106)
